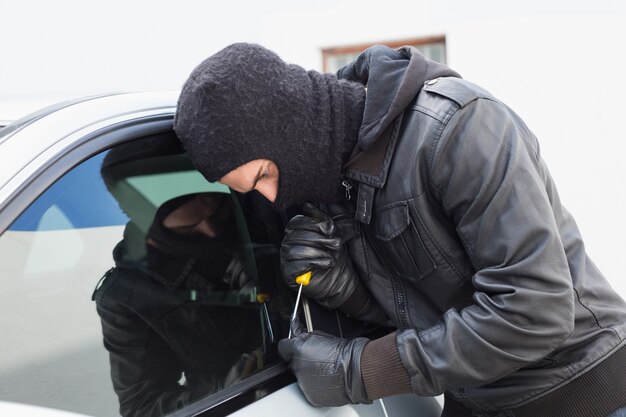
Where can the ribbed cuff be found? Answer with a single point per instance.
(382, 370)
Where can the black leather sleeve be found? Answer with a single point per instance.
(490, 181)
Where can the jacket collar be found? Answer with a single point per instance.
(369, 168)
(393, 79)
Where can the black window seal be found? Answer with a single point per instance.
(238, 396)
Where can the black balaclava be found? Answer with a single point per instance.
(190, 261)
(246, 103)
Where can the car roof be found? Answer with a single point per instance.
(14, 109)
(48, 131)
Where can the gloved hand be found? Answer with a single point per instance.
(312, 243)
(328, 369)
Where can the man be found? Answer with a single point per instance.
(440, 211)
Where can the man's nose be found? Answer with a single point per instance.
(207, 228)
(268, 190)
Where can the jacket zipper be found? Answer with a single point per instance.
(396, 286)
(348, 187)
(398, 292)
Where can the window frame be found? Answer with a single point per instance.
(73, 155)
(221, 403)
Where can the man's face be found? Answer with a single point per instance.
(259, 174)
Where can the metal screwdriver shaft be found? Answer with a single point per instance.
(302, 280)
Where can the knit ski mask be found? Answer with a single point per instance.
(192, 260)
(246, 103)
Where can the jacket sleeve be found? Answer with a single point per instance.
(145, 372)
(488, 177)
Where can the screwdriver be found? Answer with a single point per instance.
(302, 280)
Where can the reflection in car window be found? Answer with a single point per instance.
(190, 301)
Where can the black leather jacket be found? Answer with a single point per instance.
(461, 237)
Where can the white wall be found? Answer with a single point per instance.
(565, 75)
(559, 63)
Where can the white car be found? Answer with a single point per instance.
(80, 184)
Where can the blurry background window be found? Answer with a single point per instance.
(433, 47)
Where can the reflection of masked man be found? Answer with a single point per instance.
(172, 313)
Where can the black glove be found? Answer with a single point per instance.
(312, 243)
(328, 369)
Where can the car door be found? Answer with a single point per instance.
(105, 311)
(92, 324)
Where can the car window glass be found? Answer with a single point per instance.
(133, 286)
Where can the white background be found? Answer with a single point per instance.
(561, 64)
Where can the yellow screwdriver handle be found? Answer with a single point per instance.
(304, 278)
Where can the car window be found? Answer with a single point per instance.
(133, 286)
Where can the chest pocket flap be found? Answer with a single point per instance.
(401, 244)
(391, 222)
